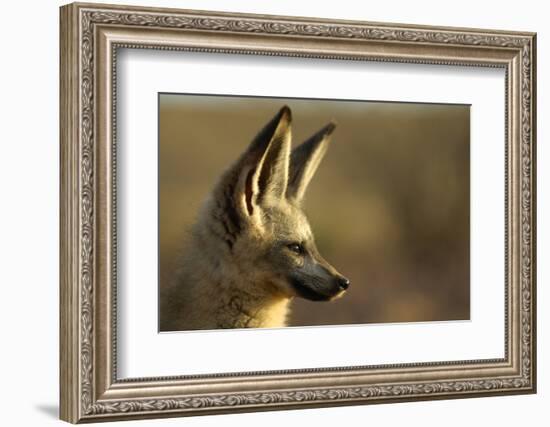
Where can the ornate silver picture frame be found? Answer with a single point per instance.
(92, 35)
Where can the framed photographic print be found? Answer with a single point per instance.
(265, 212)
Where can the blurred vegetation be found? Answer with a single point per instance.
(389, 205)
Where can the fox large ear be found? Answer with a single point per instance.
(305, 160)
(261, 173)
(270, 152)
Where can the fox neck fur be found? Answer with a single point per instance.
(212, 291)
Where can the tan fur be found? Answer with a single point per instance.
(233, 271)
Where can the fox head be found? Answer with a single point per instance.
(257, 206)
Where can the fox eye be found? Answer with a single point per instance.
(296, 248)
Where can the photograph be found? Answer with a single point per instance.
(285, 212)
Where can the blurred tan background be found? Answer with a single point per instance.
(389, 204)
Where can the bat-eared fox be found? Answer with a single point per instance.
(252, 250)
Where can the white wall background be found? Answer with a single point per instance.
(29, 170)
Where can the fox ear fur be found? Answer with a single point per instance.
(261, 173)
(270, 152)
(305, 160)
(268, 171)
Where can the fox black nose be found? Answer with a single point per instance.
(343, 283)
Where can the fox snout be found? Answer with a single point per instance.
(318, 281)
